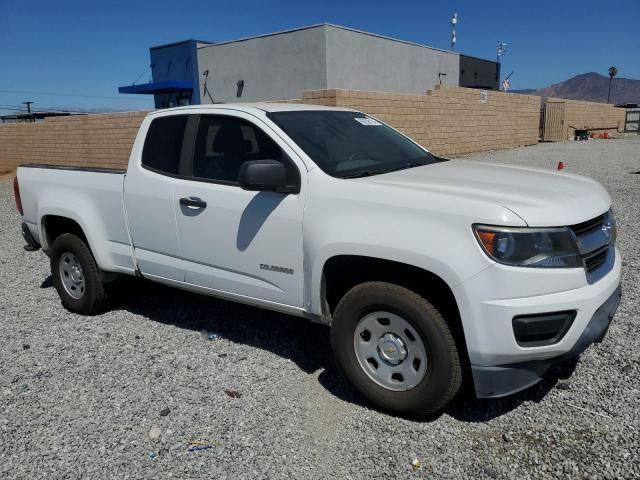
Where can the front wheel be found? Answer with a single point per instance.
(396, 349)
(76, 275)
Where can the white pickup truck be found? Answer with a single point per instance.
(427, 270)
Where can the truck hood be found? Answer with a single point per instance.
(541, 198)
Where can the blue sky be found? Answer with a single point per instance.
(79, 52)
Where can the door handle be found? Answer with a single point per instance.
(193, 202)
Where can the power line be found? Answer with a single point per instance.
(59, 94)
(16, 108)
(49, 109)
(40, 109)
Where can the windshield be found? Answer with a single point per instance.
(350, 144)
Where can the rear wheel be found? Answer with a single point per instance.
(396, 349)
(76, 275)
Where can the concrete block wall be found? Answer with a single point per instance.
(447, 120)
(599, 117)
(103, 140)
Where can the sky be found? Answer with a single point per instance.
(74, 54)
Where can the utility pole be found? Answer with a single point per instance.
(28, 104)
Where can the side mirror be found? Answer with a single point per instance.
(265, 176)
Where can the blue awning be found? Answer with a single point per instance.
(158, 87)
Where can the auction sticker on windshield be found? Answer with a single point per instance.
(367, 121)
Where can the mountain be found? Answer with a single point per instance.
(592, 87)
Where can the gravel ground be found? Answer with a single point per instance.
(81, 397)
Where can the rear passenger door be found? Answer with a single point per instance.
(242, 242)
(149, 198)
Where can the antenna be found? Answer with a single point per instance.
(501, 50)
(454, 23)
(206, 89)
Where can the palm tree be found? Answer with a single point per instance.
(613, 71)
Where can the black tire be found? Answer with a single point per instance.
(92, 298)
(443, 375)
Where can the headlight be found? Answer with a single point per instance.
(529, 247)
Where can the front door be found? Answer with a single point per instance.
(232, 240)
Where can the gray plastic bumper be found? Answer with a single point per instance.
(32, 244)
(503, 380)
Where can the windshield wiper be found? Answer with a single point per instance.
(407, 165)
(369, 173)
(365, 173)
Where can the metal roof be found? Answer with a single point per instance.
(318, 25)
(173, 44)
(158, 87)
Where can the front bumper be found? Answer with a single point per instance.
(490, 300)
(502, 380)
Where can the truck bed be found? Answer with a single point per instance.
(92, 197)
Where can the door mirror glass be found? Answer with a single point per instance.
(264, 176)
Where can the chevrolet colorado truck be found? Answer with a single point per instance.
(425, 269)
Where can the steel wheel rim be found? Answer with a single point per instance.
(72, 275)
(390, 351)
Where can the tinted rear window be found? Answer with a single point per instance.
(163, 144)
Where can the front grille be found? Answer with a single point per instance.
(595, 247)
(594, 259)
(588, 226)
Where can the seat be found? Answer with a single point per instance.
(228, 150)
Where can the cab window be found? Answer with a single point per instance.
(223, 144)
(163, 144)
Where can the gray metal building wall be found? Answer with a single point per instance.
(273, 67)
(283, 65)
(363, 61)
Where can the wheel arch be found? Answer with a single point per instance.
(52, 225)
(340, 273)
